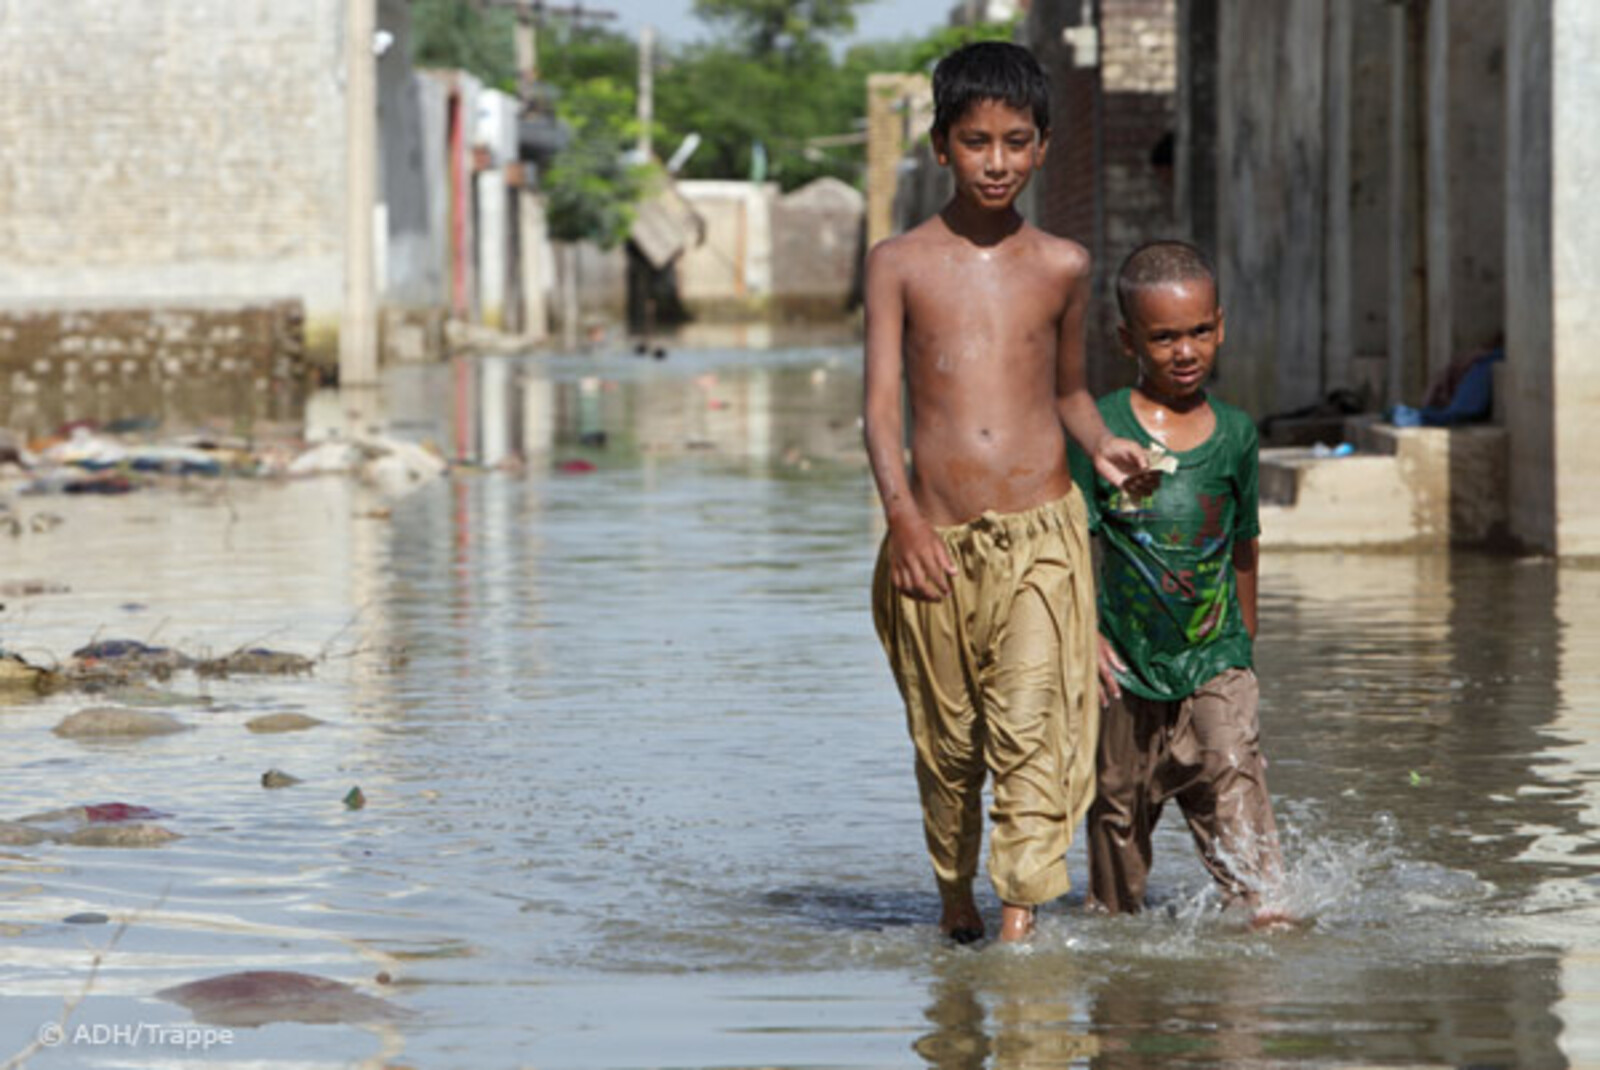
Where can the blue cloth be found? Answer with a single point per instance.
(1473, 399)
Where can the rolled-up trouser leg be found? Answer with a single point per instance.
(929, 657)
(1126, 805)
(1027, 751)
(1226, 802)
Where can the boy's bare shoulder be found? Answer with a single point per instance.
(913, 242)
(1060, 254)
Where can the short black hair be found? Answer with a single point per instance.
(1158, 262)
(989, 70)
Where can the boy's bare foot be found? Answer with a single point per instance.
(961, 922)
(1273, 920)
(1265, 917)
(1016, 923)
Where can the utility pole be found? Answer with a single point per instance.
(358, 326)
(531, 15)
(527, 55)
(647, 88)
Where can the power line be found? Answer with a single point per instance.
(537, 9)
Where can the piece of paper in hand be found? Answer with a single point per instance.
(1160, 460)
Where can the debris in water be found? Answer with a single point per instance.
(17, 675)
(121, 836)
(256, 661)
(258, 997)
(129, 656)
(115, 811)
(104, 722)
(271, 723)
(19, 834)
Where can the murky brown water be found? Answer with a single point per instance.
(640, 795)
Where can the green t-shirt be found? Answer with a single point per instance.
(1167, 595)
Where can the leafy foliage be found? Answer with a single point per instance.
(592, 188)
(763, 29)
(768, 80)
(926, 52)
(571, 53)
(457, 34)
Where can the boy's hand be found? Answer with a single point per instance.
(919, 563)
(1124, 464)
(1110, 665)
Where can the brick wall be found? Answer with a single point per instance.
(1113, 98)
(172, 149)
(1066, 196)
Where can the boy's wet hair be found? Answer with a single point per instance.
(989, 70)
(1159, 262)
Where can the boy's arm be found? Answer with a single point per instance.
(1247, 528)
(1246, 559)
(1110, 662)
(1114, 458)
(919, 564)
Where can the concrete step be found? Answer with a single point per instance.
(1413, 487)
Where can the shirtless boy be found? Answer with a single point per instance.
(983, 591)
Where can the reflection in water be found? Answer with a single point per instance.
(639, 792)
(785, 409)
(1569, 773)
(235, 403)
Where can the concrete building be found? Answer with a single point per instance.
(770, 255)
(191, 156)
(1385, 187)
(1552, 272)
(178, 152)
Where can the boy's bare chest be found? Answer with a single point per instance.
(979, 323)
(1177, 431)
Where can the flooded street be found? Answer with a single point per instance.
(639, 793)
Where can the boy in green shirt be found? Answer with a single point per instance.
(1177, 602)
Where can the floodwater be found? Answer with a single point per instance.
(639, 792)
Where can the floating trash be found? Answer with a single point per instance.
(105, 722)
(260, 997)
(273, 723)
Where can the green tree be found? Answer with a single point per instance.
(592, 187)
(571, 53)
(926, 51)
(767, 84)
(763, 28)
(461, 35)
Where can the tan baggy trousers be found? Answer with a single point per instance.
(998, 678)
(1204, 751)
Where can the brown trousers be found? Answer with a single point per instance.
(1204, 751)
(998, 678)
